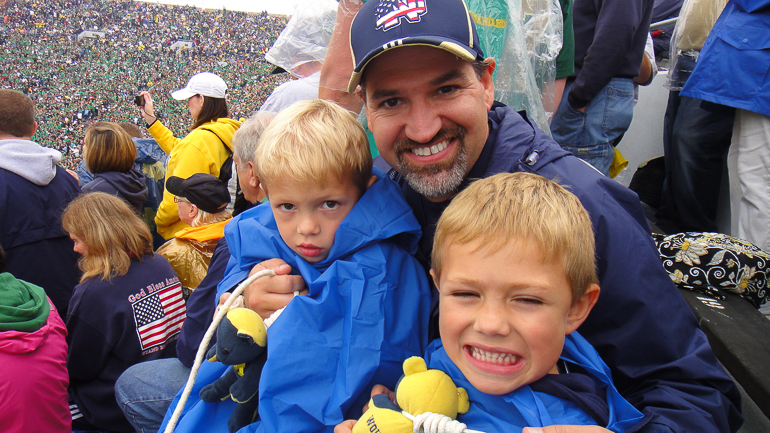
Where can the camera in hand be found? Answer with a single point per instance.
(139, 100)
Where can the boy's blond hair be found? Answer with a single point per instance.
(310, 141)
(522, 207)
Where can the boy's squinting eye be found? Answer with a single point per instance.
(286, 206)
(330, 204)
(463, 294)
(530, 301)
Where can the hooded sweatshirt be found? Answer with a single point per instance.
(33, 193)
(203, 150)
(128, 185)
(33, 355)
(366, 311)
(150, 161)
(29, 160)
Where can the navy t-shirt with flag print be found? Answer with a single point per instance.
(115, 324)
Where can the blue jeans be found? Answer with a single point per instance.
(144, 391)
(696, 137)
(589, 134)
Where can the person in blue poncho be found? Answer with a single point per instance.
(506, 335)
(513, 261)
(351, 236)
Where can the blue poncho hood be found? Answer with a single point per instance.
(380, 214)
(367, 310)
(524, 407)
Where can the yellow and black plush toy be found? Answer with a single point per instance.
(241, 342)
(420, 390)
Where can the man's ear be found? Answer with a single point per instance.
(34, 129)
(488, 82)
(361, 92)
(579, 310)
(253, 179)
(193, 211)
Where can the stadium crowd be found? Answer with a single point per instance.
(74, 83)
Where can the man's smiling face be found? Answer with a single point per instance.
(428, 110)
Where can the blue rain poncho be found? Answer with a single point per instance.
(366, 312)
(525, 407)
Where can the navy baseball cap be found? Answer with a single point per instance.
(201, 189)
(383, 25)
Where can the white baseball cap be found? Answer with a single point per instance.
(204, 83)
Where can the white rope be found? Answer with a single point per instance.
(202, 349)
(427, 422)
(430, 422)
(269, 321)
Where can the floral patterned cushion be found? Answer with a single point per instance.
(713, 262)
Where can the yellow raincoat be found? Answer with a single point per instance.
(198, 152)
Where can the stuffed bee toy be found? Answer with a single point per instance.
(420, 390)
(242, 343)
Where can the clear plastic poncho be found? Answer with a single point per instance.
(524, 37)
(305, 37)
(696, 18)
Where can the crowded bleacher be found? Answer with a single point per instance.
(76, 82)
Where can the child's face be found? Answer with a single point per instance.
(503, 315)
(308, 215)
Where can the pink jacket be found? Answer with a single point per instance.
(34, 380)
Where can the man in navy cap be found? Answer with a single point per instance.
(429, 99)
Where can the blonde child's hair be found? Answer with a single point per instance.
(521, 207)
(108, 148)
(311, 140)
(111, 231)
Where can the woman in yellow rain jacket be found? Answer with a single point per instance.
(204, 150)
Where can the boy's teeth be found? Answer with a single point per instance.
(431, 150)
(493, 357)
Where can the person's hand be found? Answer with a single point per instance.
(380, 389)
(73, 174)
(566, 429)
(148, 109)
(238, 303)
(345, 426)
(266, 295)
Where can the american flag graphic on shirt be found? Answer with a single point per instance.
(159, 315)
